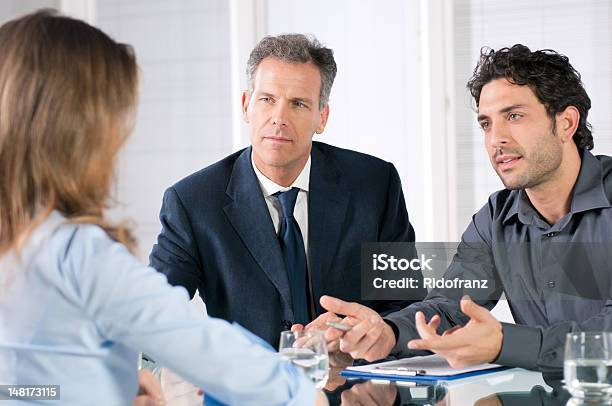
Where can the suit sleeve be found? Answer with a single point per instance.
(176, 253)
(395, 227)
(473, 260)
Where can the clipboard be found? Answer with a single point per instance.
(429, 368)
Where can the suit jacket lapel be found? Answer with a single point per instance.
(250, 217)
(328, 199)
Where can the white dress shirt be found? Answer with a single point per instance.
(300, 212)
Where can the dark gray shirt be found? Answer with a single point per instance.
(557, 279)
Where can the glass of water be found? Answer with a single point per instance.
(587, 367)
(146, 362)
(307, 350)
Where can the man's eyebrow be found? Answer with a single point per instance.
(502, 111)
(510, 108)
(482, 117)
(265, 94)
(302, 99)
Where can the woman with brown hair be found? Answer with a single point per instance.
(75, 305)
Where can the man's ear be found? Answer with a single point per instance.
(323, 119)
(567, 123)
(246, 98)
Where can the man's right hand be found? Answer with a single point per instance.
(370, 338)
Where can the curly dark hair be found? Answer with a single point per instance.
(548, 74)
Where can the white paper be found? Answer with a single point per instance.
(427, 365)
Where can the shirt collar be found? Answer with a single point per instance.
(269, 187)
(588, 193)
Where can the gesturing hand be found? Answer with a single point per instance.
(477, 342)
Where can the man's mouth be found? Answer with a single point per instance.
(505, 162)
(277, 138)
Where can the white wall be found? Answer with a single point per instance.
(375, 101)
(12, 8)
(184, 120)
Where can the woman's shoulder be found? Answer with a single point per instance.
(79, 245)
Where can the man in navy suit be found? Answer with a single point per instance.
(265, 232)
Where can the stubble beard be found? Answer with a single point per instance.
(542, 164)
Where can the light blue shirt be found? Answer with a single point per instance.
(77, 308)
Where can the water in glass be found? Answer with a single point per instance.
(308, 351)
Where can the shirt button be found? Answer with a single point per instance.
(551, 284)
(551, 234)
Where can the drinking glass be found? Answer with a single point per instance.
(146, 362)
(307, 350)
(587, 368)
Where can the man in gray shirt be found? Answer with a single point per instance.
(544, 240)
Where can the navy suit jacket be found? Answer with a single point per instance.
(218, 237)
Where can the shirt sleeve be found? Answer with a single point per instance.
(473, 261)
(520, 346)
(542, 348)
(134, 305)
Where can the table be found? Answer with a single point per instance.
(508, 387)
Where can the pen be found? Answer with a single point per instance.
(338, 326)
(401, 370)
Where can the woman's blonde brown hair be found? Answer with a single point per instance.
(67, 99)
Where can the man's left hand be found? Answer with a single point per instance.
(479, 341)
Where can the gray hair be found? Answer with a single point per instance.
(296, 48)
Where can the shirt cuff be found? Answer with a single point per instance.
(520, 346)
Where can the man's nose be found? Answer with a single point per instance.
(279, 114)
(498, 135)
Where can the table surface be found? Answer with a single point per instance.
(508, 387)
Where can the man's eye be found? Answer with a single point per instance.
(513, 116)
(484, 125)
(299, 104)
(265, 99)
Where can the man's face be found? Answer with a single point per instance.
(283, 111)
(519, 136)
